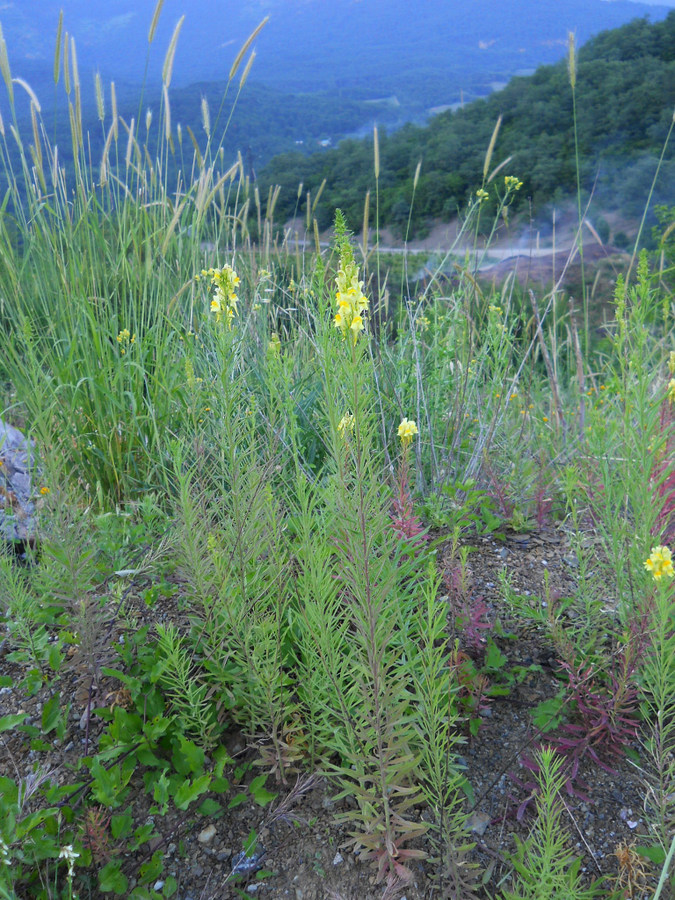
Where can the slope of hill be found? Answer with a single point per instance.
(625, 101)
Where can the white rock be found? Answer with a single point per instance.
(207, 834)
(337, 859)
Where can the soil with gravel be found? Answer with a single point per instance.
(301, 853)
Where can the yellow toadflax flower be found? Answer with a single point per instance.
(225, 299)
(274, 345)
(346, 424)
(351, 300)
(406, 431)
(660, 563)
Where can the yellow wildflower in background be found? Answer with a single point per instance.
(44, 491)
(274, 345)
(512, 183)
(225, 299)
(671, 390)
(482, 195)
(407, 430)
(660, 563)
(124, 339)
(351, 300)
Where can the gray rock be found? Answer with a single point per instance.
(17, 466)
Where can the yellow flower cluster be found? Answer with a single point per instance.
(407, 430)
(512, 183)
(350, 299)
(671, 362)
(124, 339)
(225, 299)
(482, 194)
(671, 390)
(660, 563)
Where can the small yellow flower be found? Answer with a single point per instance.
(545, 419)
(482, 195)
(346, 424)
(423, 323)
(660, 563)
(512, 183)
(406, 431)
(44, 491)
(496, 309)
(671, 390)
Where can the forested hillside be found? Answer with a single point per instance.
(625, 96)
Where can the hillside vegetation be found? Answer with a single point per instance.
(625, 95)
(318, 591)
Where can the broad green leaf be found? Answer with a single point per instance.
(190, 790)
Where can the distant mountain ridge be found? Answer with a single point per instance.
(356, 46)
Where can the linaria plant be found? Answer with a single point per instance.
(360, 636)
(544, 866)
(657, 685)
(231, 539)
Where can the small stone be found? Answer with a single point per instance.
(478, 823)
(158, 885)
(252, 888)
(223, 854)
(197, 870)
(170, 849)
(337, 859)
(207, 834)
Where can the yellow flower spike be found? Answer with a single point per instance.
(407, 430)
(660, 563)
(350, 299)
(671, 362)
(671, 390)
(225, 299)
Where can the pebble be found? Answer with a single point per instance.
(207, 834)
(224, 854)
(158, 885)
(337, 859)
(197, 870)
